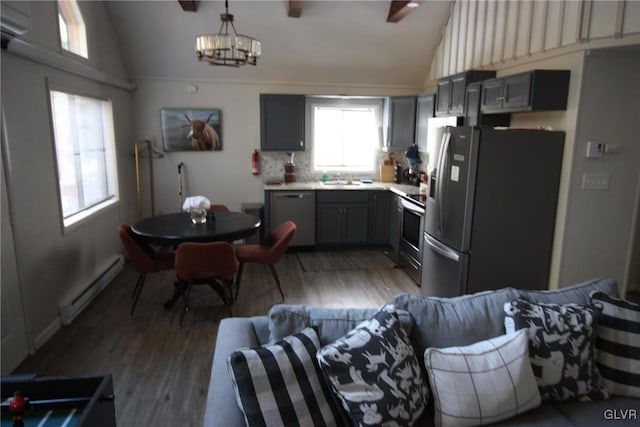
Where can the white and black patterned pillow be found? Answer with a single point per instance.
(561, 347)
(618, 344)
(281, 384)
(374, 372)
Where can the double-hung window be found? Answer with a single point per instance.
(85, 154)
(345, 133)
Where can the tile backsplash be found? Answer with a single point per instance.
(272, 166)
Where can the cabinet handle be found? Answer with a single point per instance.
(301, 143)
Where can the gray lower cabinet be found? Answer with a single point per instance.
(342, 224)
(395, 225)
(342, 217)
(379, 217)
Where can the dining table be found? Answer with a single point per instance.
(175, 228)
(170, 230)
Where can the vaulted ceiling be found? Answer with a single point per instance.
(342, 42)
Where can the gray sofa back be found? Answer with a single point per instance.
(464, 320)
(332, 323)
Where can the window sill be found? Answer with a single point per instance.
(75, 221)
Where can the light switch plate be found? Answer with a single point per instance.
(595, 149)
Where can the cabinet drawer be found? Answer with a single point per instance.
(342, 196)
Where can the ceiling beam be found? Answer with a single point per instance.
(189, 5)
(401, 8)
(295, 8)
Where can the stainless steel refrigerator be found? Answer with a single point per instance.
(490, 214)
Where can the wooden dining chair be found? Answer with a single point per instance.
(266, 252)
(143, 259)
(211, 263)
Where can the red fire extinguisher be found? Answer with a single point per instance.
(255, 163)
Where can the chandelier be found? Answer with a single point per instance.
(227, 49)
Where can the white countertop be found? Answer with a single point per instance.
(402, 189)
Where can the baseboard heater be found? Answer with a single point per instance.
(71, 308)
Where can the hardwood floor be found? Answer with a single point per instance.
(160, 372)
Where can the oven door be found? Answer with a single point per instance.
(411, 238)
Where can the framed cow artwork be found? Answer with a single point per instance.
(191, 129)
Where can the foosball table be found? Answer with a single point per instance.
(58, 402)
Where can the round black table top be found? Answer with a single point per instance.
(177, 228)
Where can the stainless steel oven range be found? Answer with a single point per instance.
(411, 226)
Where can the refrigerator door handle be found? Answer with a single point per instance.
(441, 249)
(446, 139)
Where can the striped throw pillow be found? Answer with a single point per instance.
(281, 384)
(618, 344)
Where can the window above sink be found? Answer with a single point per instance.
(345, 134)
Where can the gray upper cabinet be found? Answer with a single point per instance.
(472, 114)
(400, 114)
(282, 122)
(424, 110)
(535, 90)
(450, 98)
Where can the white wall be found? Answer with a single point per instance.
(53, 264)
(223, 176)
(599, 227)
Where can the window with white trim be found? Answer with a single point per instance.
(73, 33)
(85, 154)
(345, 133)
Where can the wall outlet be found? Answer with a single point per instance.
(595, 181)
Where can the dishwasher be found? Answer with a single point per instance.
(299, 207)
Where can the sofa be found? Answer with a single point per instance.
(429, 322)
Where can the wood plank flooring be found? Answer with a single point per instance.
(161, 373)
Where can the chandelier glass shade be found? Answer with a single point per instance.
(224, 48)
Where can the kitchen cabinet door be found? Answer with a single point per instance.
(402, 123)
(535, 90)
(355, 224)
(492, 96)
(517, 90)
(329, 224)
(450, 98)
(458, 88)
(472, 114)
(443, 97)
(379, 216)
(395, 224)
(424, 110)
(282, 122)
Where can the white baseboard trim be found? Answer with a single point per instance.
(46, 334)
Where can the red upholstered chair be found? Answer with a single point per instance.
(212, 263)
(143, 259)
(267, 252)
(219, 208)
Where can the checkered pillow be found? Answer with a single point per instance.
(482, 383)
(618, 344)
(281, 384)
